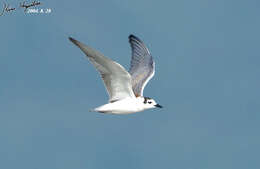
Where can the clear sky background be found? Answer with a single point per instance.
(207, 79)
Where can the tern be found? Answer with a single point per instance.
(125, 89)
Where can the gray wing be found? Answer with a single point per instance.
(117, 80)
(142, 65)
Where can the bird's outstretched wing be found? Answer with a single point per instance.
(117, 80)
(142, 65)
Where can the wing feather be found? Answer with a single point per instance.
(116, 79)
(142, 65)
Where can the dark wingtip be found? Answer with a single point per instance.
(131, 36)
(71, 39)
(74, 41)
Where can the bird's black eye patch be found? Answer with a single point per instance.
(145, 100)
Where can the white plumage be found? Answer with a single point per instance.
(125, 90)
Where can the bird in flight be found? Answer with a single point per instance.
(125, 89)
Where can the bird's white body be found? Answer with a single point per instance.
(125, 89)
(124, 106)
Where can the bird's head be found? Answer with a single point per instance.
(150, 103)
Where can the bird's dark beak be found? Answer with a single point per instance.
(157, 105)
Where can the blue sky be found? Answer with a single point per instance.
(207, 79)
